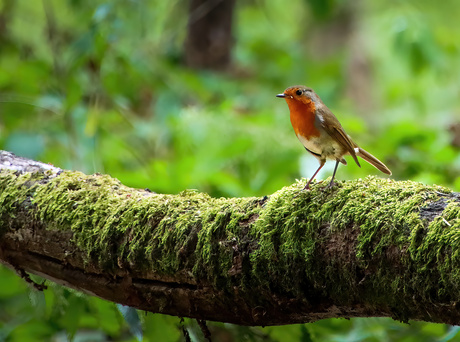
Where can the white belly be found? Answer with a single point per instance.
(311, 145)
(334, 150)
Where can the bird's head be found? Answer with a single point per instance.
(300, 93)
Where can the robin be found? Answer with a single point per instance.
(321, 133)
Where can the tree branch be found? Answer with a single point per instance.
(370, 247)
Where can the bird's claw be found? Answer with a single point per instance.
(330, 185)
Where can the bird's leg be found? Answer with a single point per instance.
(331, 184)
(307, 187)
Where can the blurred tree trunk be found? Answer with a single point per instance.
(335, 27)
(366, 248)
(209, 37)
(6, 14)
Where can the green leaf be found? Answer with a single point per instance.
(132, 318)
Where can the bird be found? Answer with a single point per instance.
(321, 133)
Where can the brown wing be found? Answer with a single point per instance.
(335, 130)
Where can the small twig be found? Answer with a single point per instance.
(26, 277)
(204, 329)
(441, 193)
(445, 221)
(184, 330)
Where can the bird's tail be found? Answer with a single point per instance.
(372, 160)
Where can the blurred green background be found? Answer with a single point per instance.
(102, 86)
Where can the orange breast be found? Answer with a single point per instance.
(302, 116)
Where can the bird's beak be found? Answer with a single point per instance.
(280, 95)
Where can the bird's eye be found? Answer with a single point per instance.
(298, 92)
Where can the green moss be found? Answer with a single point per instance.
(436, 253)
(362, 237)
(15, 190)
(117, 226)
(295, 229)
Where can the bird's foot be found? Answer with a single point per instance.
(330, 185)
(306, 188)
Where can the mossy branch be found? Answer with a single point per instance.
(370, 247)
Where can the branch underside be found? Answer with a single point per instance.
(371, 247)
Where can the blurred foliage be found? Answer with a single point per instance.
(99, 86)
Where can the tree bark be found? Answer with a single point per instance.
(370, 247)
(209, 36)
